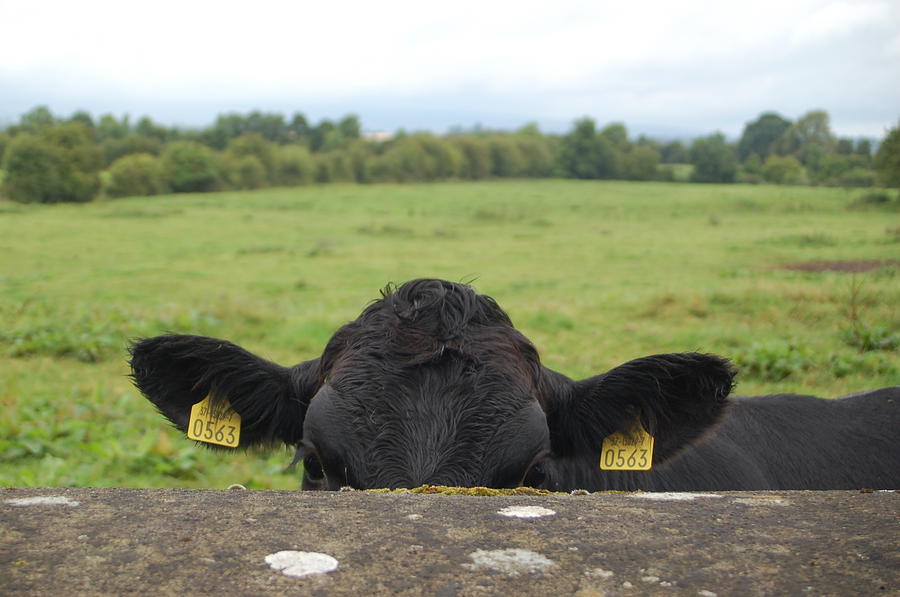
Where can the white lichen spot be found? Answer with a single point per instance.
(526, 512)
(599, 573)
(650, 578)
(237, 486)
(705, 593)
(511, 561)
(665, 583)
(414, 517)
(674, 496)
(627, 585)
(43, 500)
(301, 563)
(762, 501)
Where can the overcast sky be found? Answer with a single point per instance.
(665, 68)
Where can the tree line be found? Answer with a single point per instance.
(50, 159)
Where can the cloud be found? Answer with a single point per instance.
(642, 61)
(838, 19)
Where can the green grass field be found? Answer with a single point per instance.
(595, 273)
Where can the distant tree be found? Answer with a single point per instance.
(298, 129)
(713, 159)
(84, 118)
(147, 128)
(809, 139)
(36, 119)
(863, 147)
(349, 127)
(530, 129)
(674, 152)
(59, 164)
(269, 125)
(645, 141)
(761, 135)
(190, 167)
(224, 129)
(640, 163)
(887, 159)
(583, 153)
(113, 149)
(617, 134)
(136, 174)
(5, 138)
(108, 127)
(843, 146)
(320, 133)
(333, 140)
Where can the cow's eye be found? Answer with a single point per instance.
(312, 467)
(536, 475)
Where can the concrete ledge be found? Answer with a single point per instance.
(117, 541)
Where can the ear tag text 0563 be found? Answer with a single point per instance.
(627, 451)
(219, 425)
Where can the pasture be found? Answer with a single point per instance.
(595, 273)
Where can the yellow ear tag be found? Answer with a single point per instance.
(627, 451)
(220, 426)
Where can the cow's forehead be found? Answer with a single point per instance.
(424, 321)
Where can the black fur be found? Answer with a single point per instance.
(433, 384)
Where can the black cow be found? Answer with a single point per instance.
(432, 384)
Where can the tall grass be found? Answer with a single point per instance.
(595, 273)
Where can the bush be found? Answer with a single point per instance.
(190, 167)
(857, 177)
(294, 165)
(242, 171)
(784, 170)
(253, 144)
(475, 157)
(536, 154)
(334, 166)
(640, 163)
(506, 159)
(136, 174)
(61, 164)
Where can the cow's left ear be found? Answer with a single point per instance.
(677, 397)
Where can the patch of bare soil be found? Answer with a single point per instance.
(850, 267)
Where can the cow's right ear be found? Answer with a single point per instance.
(677, 397)
(175, 372)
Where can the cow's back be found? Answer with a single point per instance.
(789, 441)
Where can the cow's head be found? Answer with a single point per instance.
(432, 384)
